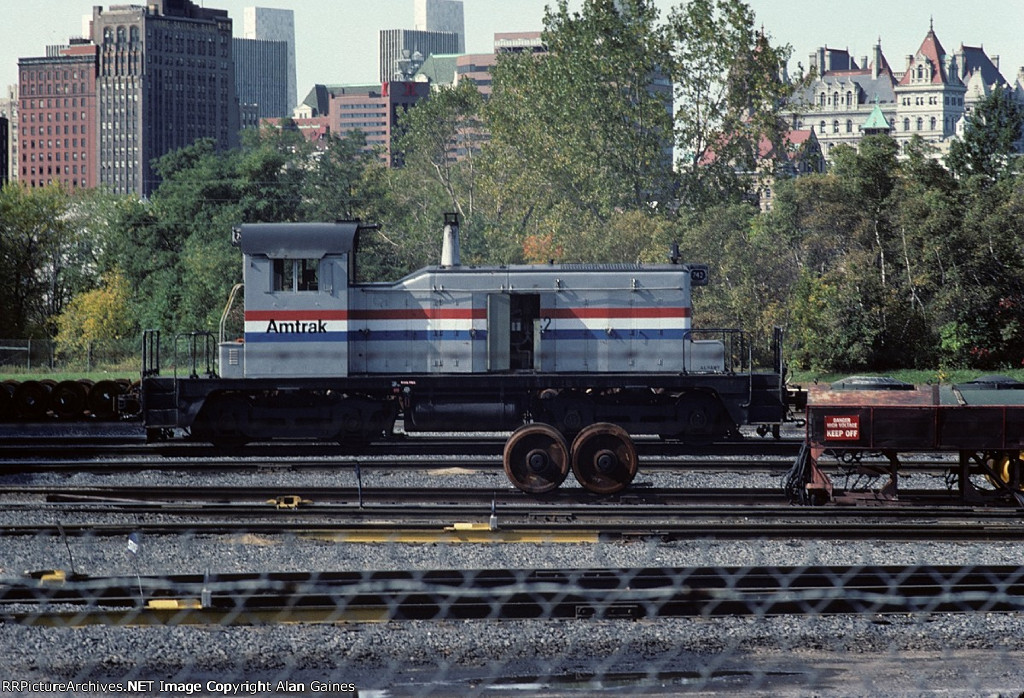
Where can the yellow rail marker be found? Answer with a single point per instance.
(53, 576)
(173, 604)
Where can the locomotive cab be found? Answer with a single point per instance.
(296, 279)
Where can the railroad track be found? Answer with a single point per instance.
(470, 455)
(484, 515)
(670, 501)
(32, 448)
(548, 532)
(52, 598)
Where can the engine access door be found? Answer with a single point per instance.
(499, 307)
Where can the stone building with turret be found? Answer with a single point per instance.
(930, 97)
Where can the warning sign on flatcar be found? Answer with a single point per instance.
(842, 428)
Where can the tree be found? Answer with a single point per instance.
(335, 184)
(988, 148)
(728, 82)
(582, 130)
(441, 137)
(99, 315)
(204, 193)
(853, 276)
(439, 144)
(37, 248)
(135, 243)
(982, 301)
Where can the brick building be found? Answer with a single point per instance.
(372, 109)
(58, 133)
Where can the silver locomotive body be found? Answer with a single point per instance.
(304, 316)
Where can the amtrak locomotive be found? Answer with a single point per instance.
(572, 359)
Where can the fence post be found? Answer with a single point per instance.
(29, 356)
(88, 358)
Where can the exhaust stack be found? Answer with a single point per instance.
(450, 244)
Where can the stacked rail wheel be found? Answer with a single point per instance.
(68, 400)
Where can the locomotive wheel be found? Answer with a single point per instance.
(1007, 469)
(223, 421)
(604, 458)
(7, 410)
(536, 458)
(701, 419)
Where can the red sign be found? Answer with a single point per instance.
(842, 428)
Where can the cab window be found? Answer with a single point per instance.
(296, 275)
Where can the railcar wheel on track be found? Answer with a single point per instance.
(536, 458)
(604, 458)
(1007, 469)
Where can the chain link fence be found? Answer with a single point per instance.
(113, 609)
(43, 355)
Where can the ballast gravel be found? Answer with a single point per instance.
(947, 654)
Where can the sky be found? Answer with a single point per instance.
(336, 40)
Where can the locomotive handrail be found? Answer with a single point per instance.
(728, 337)
(227, 309)
(192, 339)
(150, 352)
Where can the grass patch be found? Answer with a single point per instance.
(67, 375)
(917, 377)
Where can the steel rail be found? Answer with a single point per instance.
(283, 496)
(32, 448)
(340, 464)
(554, 527)
(51, 598)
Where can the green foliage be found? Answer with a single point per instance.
(42, 257)
(727, 77)
(336, 185)
(887, 261)
(865, 292)
(987, 150)
(439, 147)
(582, 131)
(179, 255)
(983, 293)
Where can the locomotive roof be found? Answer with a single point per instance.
(296, 240)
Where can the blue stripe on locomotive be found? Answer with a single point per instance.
(461, 335)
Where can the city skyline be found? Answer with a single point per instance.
(348, 30)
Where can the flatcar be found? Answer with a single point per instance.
(981, 422)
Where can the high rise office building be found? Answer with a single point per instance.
(9, 113)
(270, 24)
(165, 79)
(374, 110)
(261, 78)
(403, 45)
(441, 16)
(58, 133)
(5, 139)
